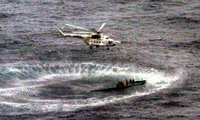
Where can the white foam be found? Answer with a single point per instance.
(29, 87)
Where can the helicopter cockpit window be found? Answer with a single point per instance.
(95, 36)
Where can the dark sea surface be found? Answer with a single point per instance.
(46, 76)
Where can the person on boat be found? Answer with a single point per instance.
(120, 84)
(126, 82)
(131, 81)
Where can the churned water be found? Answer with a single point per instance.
(46, 76)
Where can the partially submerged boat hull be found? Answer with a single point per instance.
(112, 88)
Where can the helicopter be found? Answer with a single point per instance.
(92, 37)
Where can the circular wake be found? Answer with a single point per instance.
(42, 88)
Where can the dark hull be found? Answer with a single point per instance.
(112, 88)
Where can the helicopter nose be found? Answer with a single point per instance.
(117, 42)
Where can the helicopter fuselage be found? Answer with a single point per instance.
(99, 40)
(94, 38)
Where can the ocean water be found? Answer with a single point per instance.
(46, 76)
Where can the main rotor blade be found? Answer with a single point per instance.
(82, 28)
(82, 32)
(101, 27)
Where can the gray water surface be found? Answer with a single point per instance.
(46, 76)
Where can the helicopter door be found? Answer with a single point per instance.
(109, 42)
